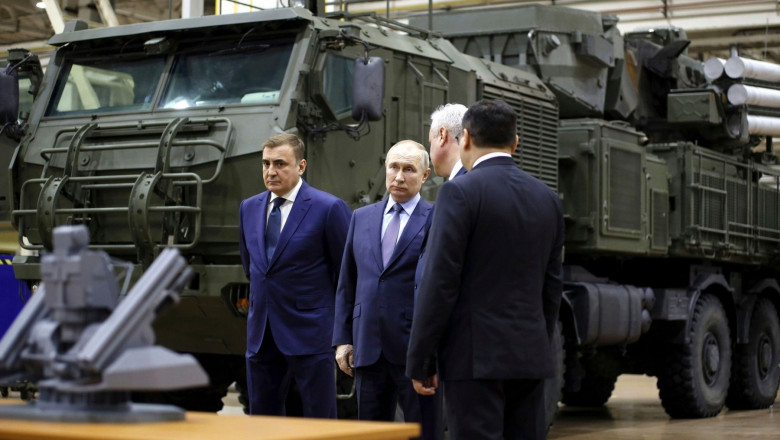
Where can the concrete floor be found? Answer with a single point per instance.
(635, 412)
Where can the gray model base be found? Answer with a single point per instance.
(136, 413)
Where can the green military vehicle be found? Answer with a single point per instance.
(672, 215)
(23, 69)
(149, 134)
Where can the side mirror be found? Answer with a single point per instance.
(9, 97)
(368, 89)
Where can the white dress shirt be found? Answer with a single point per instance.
(286, 207)
(490, 156)
(455, 169)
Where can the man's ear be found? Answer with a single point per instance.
(301, 167)
(514, 147)
(465, 141)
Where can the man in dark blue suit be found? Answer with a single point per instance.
(491, 287)
(291, 240)
(375, 296)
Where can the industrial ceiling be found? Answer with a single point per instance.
(714, 26)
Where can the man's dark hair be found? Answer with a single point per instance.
(292, 140)
(491, 124)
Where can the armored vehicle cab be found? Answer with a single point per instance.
(150, 135)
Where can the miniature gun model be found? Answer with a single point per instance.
(88, 350)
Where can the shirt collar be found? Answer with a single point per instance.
(490, 156)
(455, 169)
(290, 195)
(408, 205)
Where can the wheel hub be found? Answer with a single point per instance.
(710, 358)
(764, 355)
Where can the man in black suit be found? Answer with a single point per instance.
(491, 287)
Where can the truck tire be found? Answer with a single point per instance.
(243, 393)
(553, 387)
(346, 408)
(594, 391)
(756, 374)
(694, 380)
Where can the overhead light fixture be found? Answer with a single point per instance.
(40, 5)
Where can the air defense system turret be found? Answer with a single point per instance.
(150, 134)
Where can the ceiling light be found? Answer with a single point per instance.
(40, 5)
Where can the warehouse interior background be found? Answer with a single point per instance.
(715, 27)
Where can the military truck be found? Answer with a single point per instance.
(672, 217)
(150, 135)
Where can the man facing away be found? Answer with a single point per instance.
(375, 296)
(491, 287)
(446, 129)
(291, 240)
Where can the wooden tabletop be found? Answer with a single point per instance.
(211, 426)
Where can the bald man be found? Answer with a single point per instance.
(375, 294)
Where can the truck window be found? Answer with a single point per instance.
(99, 86)
(25, 99)
(229, 76)
(337, 83)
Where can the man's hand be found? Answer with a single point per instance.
(426, 387)
(344, 357)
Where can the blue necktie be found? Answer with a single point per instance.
(273, 228)
(391, 234)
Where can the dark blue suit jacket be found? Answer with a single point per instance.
(491, 287)
(421, 264)
(375, 305)
(294, 291)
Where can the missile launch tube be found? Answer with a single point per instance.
(740, 94)
(737, 67)
(763, 125)
(713, 68)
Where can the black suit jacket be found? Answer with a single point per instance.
(491, 286)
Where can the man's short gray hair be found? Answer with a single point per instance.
(449, 116)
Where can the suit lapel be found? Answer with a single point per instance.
(299, 209)
(374, 232)
(262, 199)
(413, 226)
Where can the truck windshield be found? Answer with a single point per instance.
(232, 74)
(248, 75)
(99, 86)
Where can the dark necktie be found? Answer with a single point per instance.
(391, 234)
(273, 228)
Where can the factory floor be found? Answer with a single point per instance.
(634, 412)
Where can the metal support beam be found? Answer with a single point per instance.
(191, 8)
(54, 12)
(107, 13)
